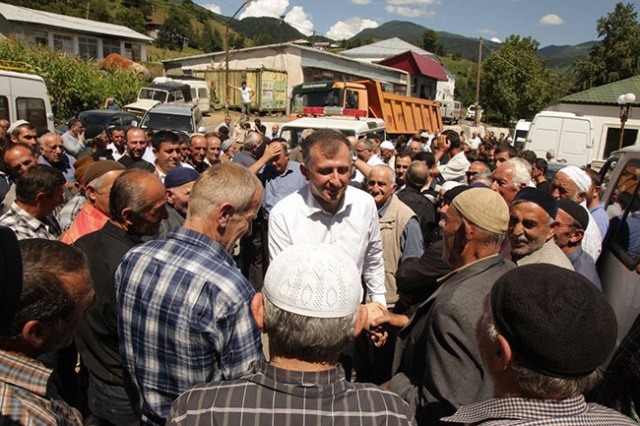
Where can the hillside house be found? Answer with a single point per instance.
(77, 36)
(397, 53)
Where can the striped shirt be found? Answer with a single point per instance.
(23, 388)
(183, 318)
(538, 412)
(26, 226)
(273, 396)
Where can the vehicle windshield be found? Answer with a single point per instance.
(322, 98)
(99, 119)
(159, 121)
(156, 95)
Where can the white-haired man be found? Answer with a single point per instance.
(574, 183)
(303, 383)
(509, 178)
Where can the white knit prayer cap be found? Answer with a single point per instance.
(314, 280)
(578, 176)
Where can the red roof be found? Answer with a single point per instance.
(416, 64)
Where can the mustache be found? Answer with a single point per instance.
(520, 239)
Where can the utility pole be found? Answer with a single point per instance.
(475, 119)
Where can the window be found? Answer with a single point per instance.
(63, 42)
(4, 108)
(624, 211)
(88, 47)
(613, 139)
(133, 51)
(32, 110)
(202, 93)
(38, 37)
(109, 47)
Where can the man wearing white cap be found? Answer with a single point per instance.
(573, 183)
(309, 309)
(386, 154)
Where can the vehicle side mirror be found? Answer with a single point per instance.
(134, 123)
(202, 129)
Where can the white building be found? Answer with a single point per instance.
(600, 105)
(77, 36)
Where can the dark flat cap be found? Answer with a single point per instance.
(100, 168)
(555, 320)
(454, 192)
(539, 197)
(92, 131)
(576, 211)
(10, 276)
(179, 176)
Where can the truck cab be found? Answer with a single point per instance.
(159, 93)
(320, 94)
(347, 125)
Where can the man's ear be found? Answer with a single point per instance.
(40, 196)
(257, 309)
(577, 236)
(155, 152)
(504, 354)
(33, 333)
(128, 215)
(304, 170)
(168, 194)
(90, 192)
(225, 212)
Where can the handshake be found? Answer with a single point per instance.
(379, 319)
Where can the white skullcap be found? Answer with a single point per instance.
(578, 176)
(17, 124)
(450, 184)
(425, 134)
(314, 280)
(387, 145)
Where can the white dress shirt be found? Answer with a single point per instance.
(299, 218)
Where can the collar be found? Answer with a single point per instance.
(313, 206)
(23, 372)
(384, 208)
(519, 408)
(208, 244)
(574, 255)
(462, 268)
(120, 234)
(33, 223)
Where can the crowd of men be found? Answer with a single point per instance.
(226, 278)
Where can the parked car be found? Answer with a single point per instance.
(471, 112)
(103, 117)
(181, 117)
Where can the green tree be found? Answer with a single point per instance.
(176, 31)
(615, 58)
(132, 18)
(430, 42)
(99, 11)
(515, 83)
(210, 39)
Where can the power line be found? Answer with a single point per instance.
(497, 54)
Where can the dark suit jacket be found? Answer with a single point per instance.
(437, 366)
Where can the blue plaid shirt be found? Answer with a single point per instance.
(184, 318)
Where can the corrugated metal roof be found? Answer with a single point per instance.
(385, 49)
(607, 94)
(37, 17)
(418, 64)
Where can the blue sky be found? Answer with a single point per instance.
(556, 22)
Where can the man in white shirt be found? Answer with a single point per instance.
(458, 165)
(246, 93)
(328, 210)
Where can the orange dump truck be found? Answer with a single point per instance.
(401, 114)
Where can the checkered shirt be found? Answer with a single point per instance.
(184, 318)
(273, 396)
(23, 400)
(538, 412)
(26, 226)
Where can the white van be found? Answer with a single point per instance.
(520, 133)
(348, 125)
(569, 135)
(451, 111)
(200, 91)
(25, 97)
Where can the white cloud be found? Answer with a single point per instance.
(299, 20)
(496, 40)
(271, 8)
(486, 31)
(342, 30)
(550, 19)
(408, 11)
(361, 2)
(212, 7)
(414, 2)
